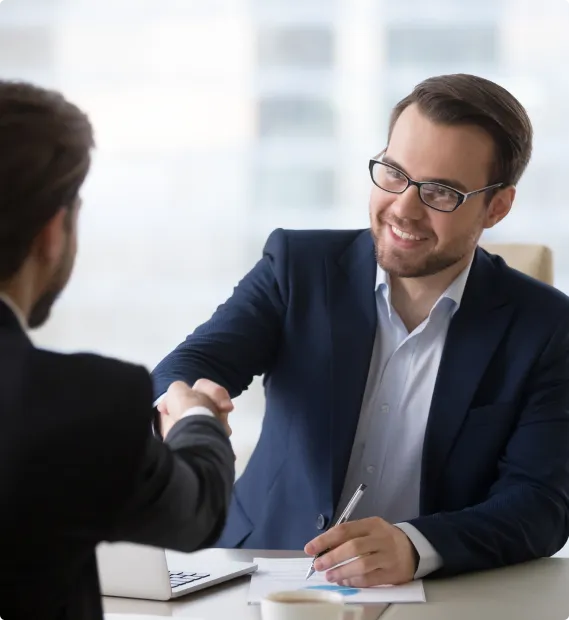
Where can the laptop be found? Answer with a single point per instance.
(136, 571)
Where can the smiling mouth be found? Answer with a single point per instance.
(404, 235)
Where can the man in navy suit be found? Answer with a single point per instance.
(406, 358)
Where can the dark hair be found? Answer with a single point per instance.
(45, 154)
(462, 99)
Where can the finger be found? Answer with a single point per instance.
(166, 424)
(223, 420)
(355, 568)
(352, 549)
(378, 577)
(216, 392)
(340, 534)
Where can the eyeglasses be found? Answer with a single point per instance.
(435, 195)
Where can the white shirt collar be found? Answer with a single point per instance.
(15, 310)
(454, 292)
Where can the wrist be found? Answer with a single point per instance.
(416, 556)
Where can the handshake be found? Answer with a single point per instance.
(180, 397)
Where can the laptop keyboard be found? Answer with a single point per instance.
(182, 578)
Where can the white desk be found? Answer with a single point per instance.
(534, 591)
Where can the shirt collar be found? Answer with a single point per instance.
(15, 311)
(454, 292)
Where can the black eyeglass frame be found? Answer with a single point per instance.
(462, 196)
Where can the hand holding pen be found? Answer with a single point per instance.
(366, 552)
(346, 514)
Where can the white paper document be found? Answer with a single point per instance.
(289, 574)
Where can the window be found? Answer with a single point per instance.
(441, 45)
(294, 187)
(295, 117)
(309, 47)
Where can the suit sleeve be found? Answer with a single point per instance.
(182, 490)
(526, 514)
(240, 341)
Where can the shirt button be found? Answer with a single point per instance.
(321, 522)
(370, 469)
(384, 408)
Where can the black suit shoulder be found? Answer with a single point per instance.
(97, 379)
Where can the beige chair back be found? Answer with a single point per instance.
(532, 259)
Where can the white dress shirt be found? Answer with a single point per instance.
(388, 444)
(16, 311)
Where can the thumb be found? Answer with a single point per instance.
(218, 394)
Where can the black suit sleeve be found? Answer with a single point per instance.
(182, 491)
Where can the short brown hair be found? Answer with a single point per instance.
(45, 155)
(461, 99)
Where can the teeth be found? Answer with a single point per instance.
(404, 235)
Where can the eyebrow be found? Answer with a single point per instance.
(453, 183)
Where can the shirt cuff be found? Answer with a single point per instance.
(429, 558)
(197, 411)
(161, 397)
(191, 411)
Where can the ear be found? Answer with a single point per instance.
(50, 241)
(499, 206)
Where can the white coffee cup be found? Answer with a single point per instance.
(308, 605)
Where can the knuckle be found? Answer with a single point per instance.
(352, 547)
(218, 392)
(368, 562)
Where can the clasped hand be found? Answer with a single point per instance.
(204, 393)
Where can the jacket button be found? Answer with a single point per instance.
(321, 522)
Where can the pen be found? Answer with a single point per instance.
(343, 518)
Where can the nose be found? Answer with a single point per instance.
(408, 205)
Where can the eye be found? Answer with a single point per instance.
(443, 192)
(394, 174)
(438, 192)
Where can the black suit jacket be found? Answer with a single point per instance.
(79, 465)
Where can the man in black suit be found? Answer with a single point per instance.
(78, 461)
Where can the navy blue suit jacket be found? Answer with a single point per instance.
(495, 477)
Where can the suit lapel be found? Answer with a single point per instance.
(473, 336)
(353, 317)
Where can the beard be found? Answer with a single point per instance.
(400, 267)
(408, 264)
(42, 307)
